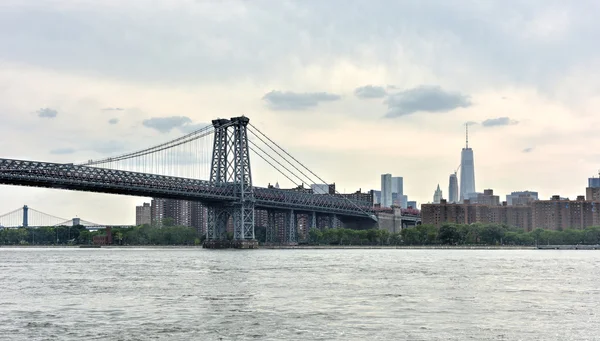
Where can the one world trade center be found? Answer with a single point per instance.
(467, 170)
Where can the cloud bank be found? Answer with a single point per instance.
(370, 91)
(278, 100)
(500, 121)
(425, 99)
(47, 113)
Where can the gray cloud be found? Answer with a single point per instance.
(499, 121)
(520, 31)
(370, 91)
(424, 99)
(112, 109)
(166, 124)
(528, 150)
(113, 121)
(47, 113)
(278, 100)
(62, 151)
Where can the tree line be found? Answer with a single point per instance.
(79, 235)
(447, 234)
(457, 234)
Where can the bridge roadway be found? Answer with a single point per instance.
(102, 180)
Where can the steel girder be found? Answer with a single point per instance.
(307, 202)
(271, 233)
(291, 228)
(218, 216)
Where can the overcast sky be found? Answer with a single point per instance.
(351, 88)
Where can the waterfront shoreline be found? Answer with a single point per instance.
(283, 247)
(323, 247)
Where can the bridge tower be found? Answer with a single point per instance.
(25, 216)
(230, 168)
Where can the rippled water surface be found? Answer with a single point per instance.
(196, 294)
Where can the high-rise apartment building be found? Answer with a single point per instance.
(143, 214)
(183, 213)
(554, 214)
(437, 195)
(467, 170)
(453, 189)
(386, 190)
(592, 193)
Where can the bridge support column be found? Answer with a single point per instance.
(25, 216)
(333, 221)
(271, 233)
(216, 232)
(291, 232)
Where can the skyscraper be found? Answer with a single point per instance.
(467, 170)
(453, 189)
(437, 196)
(398, 185)
(386, 190)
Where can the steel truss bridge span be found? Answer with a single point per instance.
(102, 180)
(177, 169)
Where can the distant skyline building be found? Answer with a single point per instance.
(520, 198)
(376, 197)
(437, 196)
(594, 182)
(320, 188)
(399, 200)
(412, 204)
(398, 185)
(386, 190)
(467, 169)
(453, 189)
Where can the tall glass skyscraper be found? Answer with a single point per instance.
(398, 185)
(467, 171)
(386, 190)
(453, 189)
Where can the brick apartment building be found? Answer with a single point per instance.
(553, 214)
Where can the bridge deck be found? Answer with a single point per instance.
(103, 180)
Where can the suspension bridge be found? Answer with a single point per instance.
(29, 217)
(222, 181)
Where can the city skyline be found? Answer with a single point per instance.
(339, 108)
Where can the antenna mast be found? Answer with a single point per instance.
(467, 130)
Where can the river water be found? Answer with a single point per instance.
(196, 294)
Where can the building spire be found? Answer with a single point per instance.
(467, 130)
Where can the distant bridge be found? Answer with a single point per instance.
(28, 217)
